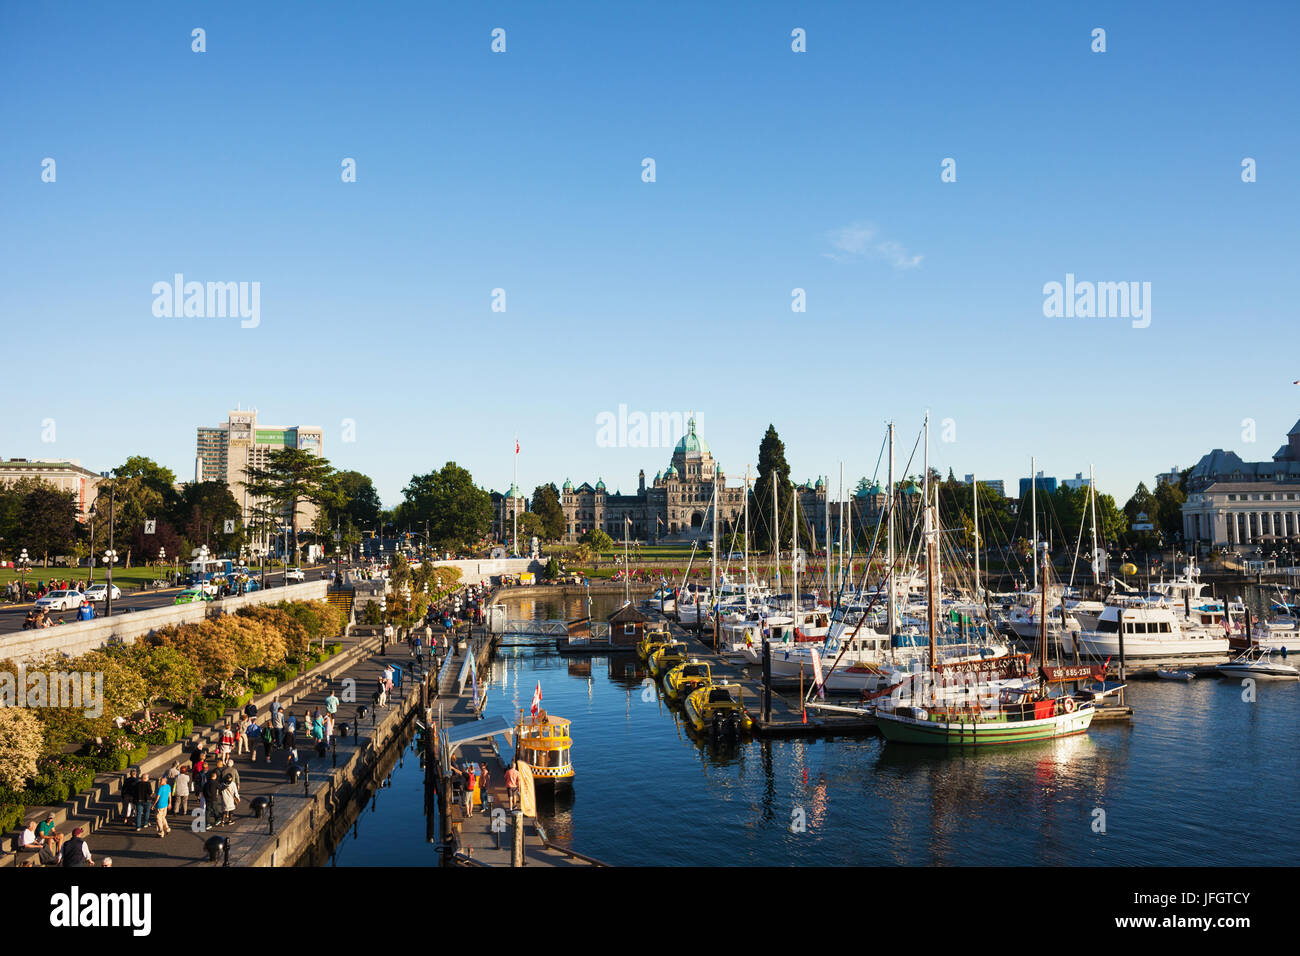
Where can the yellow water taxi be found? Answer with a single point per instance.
(717, 710)
(686, 677)
(651, 641)
(667, 657)
(543, 743)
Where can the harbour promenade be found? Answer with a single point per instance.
(300, 808)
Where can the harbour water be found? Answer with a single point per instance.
(1201, 777)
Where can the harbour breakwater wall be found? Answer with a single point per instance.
(78, 637)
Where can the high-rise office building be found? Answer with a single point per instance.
(226, 451)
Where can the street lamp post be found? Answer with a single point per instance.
(91, 515)
(110, 555)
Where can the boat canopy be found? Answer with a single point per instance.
(455, 737)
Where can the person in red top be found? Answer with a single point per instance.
(512, 785)
(227, 740)
(471, 781)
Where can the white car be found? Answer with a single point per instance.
(295, 574)
(98, 592)
(60, 601)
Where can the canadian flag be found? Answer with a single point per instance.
(516, 446)
(537, 698)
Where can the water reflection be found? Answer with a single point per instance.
(649, 791)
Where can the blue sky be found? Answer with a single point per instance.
(775, 170)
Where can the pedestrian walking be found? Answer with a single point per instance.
(128, 794)
(331, 704)
(181, 793)
(161, 804)
(144, 798)
(277, 722)
(241, 735)
(227, 741)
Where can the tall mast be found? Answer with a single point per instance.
(746, 538)
(931, 581)
(1092, 506)
(826, 508)
(627, 569)
(889, 543)
(1033, 498)
(839, 563)
(794, 554)
(776, 534)
(713, 566)
(975, 493)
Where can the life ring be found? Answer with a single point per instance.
(1069, 705)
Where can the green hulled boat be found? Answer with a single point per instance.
(1014, 723)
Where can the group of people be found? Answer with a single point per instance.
(40, 843)
(20, 591)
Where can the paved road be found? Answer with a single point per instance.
(12, 615)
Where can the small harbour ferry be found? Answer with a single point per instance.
(542, 741)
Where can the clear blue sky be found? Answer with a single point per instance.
(775, 170)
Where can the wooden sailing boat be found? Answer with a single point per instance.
(984, 709)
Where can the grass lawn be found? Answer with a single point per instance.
(128, 579)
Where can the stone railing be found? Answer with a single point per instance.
(78, 637)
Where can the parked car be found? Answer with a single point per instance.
(190, 595)
(98, 592)
(60, 601)
(295, 574)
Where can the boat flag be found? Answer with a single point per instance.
(516, 446)
(537, 698)
(817, 672)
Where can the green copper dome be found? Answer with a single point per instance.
(568, 485)
(600, 484)
(691, 443)
(671, 472)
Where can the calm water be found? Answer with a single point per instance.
(1199, 778)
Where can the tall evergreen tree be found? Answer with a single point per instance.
(546, 505)
(772, 468)
(293, 477)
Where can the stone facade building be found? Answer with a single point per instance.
(1234, 503)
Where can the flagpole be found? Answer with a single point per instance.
(514, 504)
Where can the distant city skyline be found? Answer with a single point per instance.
(431, 248)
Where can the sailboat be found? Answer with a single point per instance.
(981, 704)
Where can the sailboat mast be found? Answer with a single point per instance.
(826, 509)
(776, 534)
(794, 555)
(931, 582)
(839, 562)
(1033, 498)
(746, 538)
(889, 544)
(975, 495)
(1042, 624)
(1092, 507)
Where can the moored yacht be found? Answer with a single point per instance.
(1150, 633)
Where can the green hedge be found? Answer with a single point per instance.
(11, 815)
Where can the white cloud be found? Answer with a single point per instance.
(861, 240)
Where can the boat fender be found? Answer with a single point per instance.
(1069, 705)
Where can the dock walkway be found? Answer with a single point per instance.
(474, 841)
